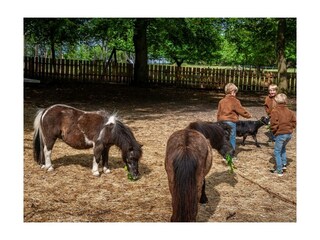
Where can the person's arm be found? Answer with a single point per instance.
(274, 121)
(266, 106)
(242, 111)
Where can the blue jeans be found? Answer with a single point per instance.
(280, 150)
(271, 136)
(233, 133)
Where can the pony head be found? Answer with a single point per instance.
(119, 134)
(226, 149)
(132, 161)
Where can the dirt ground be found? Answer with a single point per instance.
(71, 193)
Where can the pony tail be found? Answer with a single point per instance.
(185, 196)
(38, 153)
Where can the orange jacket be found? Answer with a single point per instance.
(282, 120)
(229, 109)
(269, 104)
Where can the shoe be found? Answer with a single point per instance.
(284, 167)
(280, 174)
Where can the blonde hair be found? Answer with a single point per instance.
(230, 87)
(273, 87)
(281, 98)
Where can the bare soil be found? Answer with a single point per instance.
(71, 193)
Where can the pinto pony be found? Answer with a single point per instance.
(82, 130)
(218, 135)
(187, 162)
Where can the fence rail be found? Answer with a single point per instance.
(63, 70)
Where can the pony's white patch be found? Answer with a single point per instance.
(47, 155)
(112, 120)
(95, 168)
(106, 170)
(101, 134)
(88, 141)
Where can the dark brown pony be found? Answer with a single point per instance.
(187, 162)
(218, 135)
(82, 130)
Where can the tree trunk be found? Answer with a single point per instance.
(36, 50)
(141, 51)
(53, 57)
(53, 51)
(282, 65)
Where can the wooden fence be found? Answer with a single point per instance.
(63, 70)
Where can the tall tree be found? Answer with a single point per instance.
(281, 46)
(141, 50)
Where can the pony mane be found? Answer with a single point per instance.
(213, 131)
(226, 127)
(112, 119)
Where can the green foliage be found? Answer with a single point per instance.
(252, 41)
(109, 33)
(129, 176)
(51, 31)
(230, 41)
(230, 163)
(194, 40)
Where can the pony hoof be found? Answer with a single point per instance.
(106, 170)
(96, 173)
(50, 169)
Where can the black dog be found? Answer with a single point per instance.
(250, 128)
